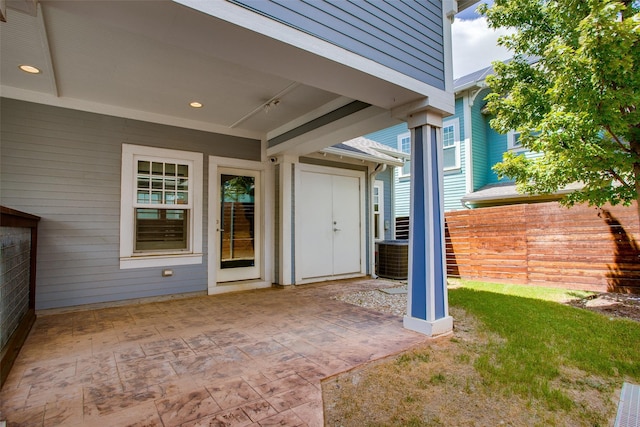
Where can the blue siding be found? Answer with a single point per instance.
(455, 182)
(460, 115)
(389, 137)
(489, 146)
(496, 146)
(480, 126)
(418, 233)
(405, 36)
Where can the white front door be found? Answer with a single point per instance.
(346, 225)
(314, 219)
(329, 212)
(238, 225)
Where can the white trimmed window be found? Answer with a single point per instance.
(404, 145)
(451, 145)
(160, 207)
(513, 141)
(378, 210)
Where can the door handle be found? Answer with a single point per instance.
(336, 229)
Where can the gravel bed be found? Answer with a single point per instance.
(609, 304)
(391, 303)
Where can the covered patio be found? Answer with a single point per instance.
(253, 358)
(130, 127)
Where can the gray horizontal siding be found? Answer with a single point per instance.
(403, 196)
(64, 165)
(405, 36)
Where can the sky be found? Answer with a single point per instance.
(474, 44)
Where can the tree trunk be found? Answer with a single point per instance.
(636, 176)
(635, 148)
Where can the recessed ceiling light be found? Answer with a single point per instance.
(196, 104)
(30, 69)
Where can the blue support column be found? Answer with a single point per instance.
(427, 306)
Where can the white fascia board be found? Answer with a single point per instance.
(393, 153)
(480, 84)
(445, 106)
(357, 156)
(514, 196)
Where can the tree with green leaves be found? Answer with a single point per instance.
(577, 102)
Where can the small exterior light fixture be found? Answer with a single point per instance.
(270, 105)
(196, 104)
(30, 69)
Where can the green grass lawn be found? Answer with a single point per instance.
(535, 292)
(542, 348)
(517, 356)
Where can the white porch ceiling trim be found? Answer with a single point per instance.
(253, 21)
(362, 156)
(114, 110)
(42, 32)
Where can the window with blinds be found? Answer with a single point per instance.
(161, 194)
(162, 206)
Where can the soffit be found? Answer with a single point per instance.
(148, 59)
(145, 56)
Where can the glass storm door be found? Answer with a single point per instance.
(238, 225)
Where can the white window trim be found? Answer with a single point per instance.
(265, 218)
(380, 186)
(127, 199)
(299, 244)
(456, 137)
(399, 146)
(511, 141)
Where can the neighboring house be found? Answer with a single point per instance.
(484, 147)
(454, 168)
(470, 150)
(181, 146)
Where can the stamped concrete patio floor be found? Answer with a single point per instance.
(252, 358)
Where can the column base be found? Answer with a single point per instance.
(429, 328)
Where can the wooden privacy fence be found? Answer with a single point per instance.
(546, 244)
